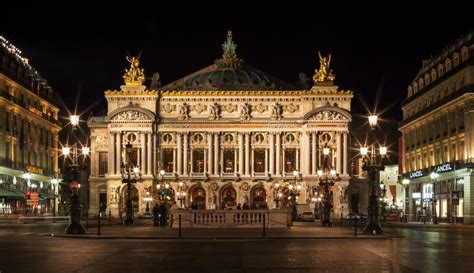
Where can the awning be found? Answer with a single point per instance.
(11, 193)
(46, 196)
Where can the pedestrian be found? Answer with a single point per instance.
(162, 214)
(155, 215)
(245, 206)
(239, 207)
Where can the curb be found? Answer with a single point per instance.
(111, 237)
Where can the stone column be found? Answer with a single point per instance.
(252, 159)
(235, 161)
(338, 152)
(185, 154)
(345, 150)
(241, 154)
(205, 161)
(247, 153)
(180, 153)
(174, 161)
(111, 158)
(266, 161)
(314, 154)
(216, 154)
(143, 152)
(148, 153)
(118, 151)
(277, 154)
(154, 153)
(305, 154)
(210, 153)
(272, 154)
(297, 164)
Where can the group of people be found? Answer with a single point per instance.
(161, 214)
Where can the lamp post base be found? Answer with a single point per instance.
(75, 226)
(373, 229)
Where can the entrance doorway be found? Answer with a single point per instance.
(258, 198)
(198, 198)
(228, 197)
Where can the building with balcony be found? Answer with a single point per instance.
(28, 135)
(226, 134)
(438, 135)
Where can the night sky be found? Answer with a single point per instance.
(82, 47)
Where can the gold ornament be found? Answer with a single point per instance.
(134, 76)
(324, 74)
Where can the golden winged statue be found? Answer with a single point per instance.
(134, 76)
(323, 74)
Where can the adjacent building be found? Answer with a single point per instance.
(28, 136)
(226, 134)
(438, 135)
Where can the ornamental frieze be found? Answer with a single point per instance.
(101, 142)
(230, 107)
(291, 107)
(328, 116)
(260, 108)
(199, 108)
(168, 108)
(130, 116)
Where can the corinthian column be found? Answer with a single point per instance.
(180, 154)
(277, 155)
(185, 154)
(210, 153)
(247, 153)
(338, 152)
(148, 153)
(143, 152)
(345, 148)
(111, 158)
(118, 151)
(216, 154)
(313, 154)
(241, 154)
(272, 154)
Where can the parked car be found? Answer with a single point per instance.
(306, 216)
(352, 216)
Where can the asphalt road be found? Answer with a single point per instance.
(421, 250)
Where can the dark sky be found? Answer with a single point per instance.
(82, 46)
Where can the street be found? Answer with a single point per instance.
(24, 249)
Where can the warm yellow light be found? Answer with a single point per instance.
(405, 181)
(383, 150)
(373, 120)
(364, 150)
(277, 185)
(295, 173)
(290, 187)
(320, 172)
(298, 187)
(85, 151)
(74, 119)
(333, 172)
(326, 151)
(66, 151)
(434, 175)
(136, 169)
(162, 172)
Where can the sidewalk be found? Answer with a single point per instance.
(427, 225)
(298, 231)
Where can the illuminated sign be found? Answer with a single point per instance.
(416, 174)
(416, 195)
(443, 168)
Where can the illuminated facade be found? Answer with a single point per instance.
(229, 133)
(28, 135)
(438, 135)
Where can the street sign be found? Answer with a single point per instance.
(455, 197)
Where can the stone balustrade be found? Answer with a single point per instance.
(276, 218)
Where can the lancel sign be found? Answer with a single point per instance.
(443, 168)
(416, 174)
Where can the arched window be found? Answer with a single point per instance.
(456, 59)
(440, 70)
(433, 74)
(427, 78)
(447, 63)
(410, 91)
(421, 83)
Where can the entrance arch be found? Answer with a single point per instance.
(134, 197)
(258, 197)
(197, 197)
(228, 197)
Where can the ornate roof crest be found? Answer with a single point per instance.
(229, 57)
(134, 76)
(324, 75)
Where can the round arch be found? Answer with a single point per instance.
(197, 197)
(258, 197)
(328, 108)
(228, 196)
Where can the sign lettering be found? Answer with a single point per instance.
(416, 174)
(443, 168)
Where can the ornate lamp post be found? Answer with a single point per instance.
(130, 175)
(276, 194)
(373, 165)
(162, 187)
(327, 176)
(75, 226)
(434, 177)
(55, 184)
(383, 200)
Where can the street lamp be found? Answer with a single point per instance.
(55, 184)
(276, 194)
(405, 183)
(434, 177)
(162, 186)
(72, 152)
(130, 175)
(383, 199)
(373, 167)
(326, 180)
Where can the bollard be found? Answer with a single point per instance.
(355, 226)
(98, 224)
(87, 224)
(264, 227)
(179, 222)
